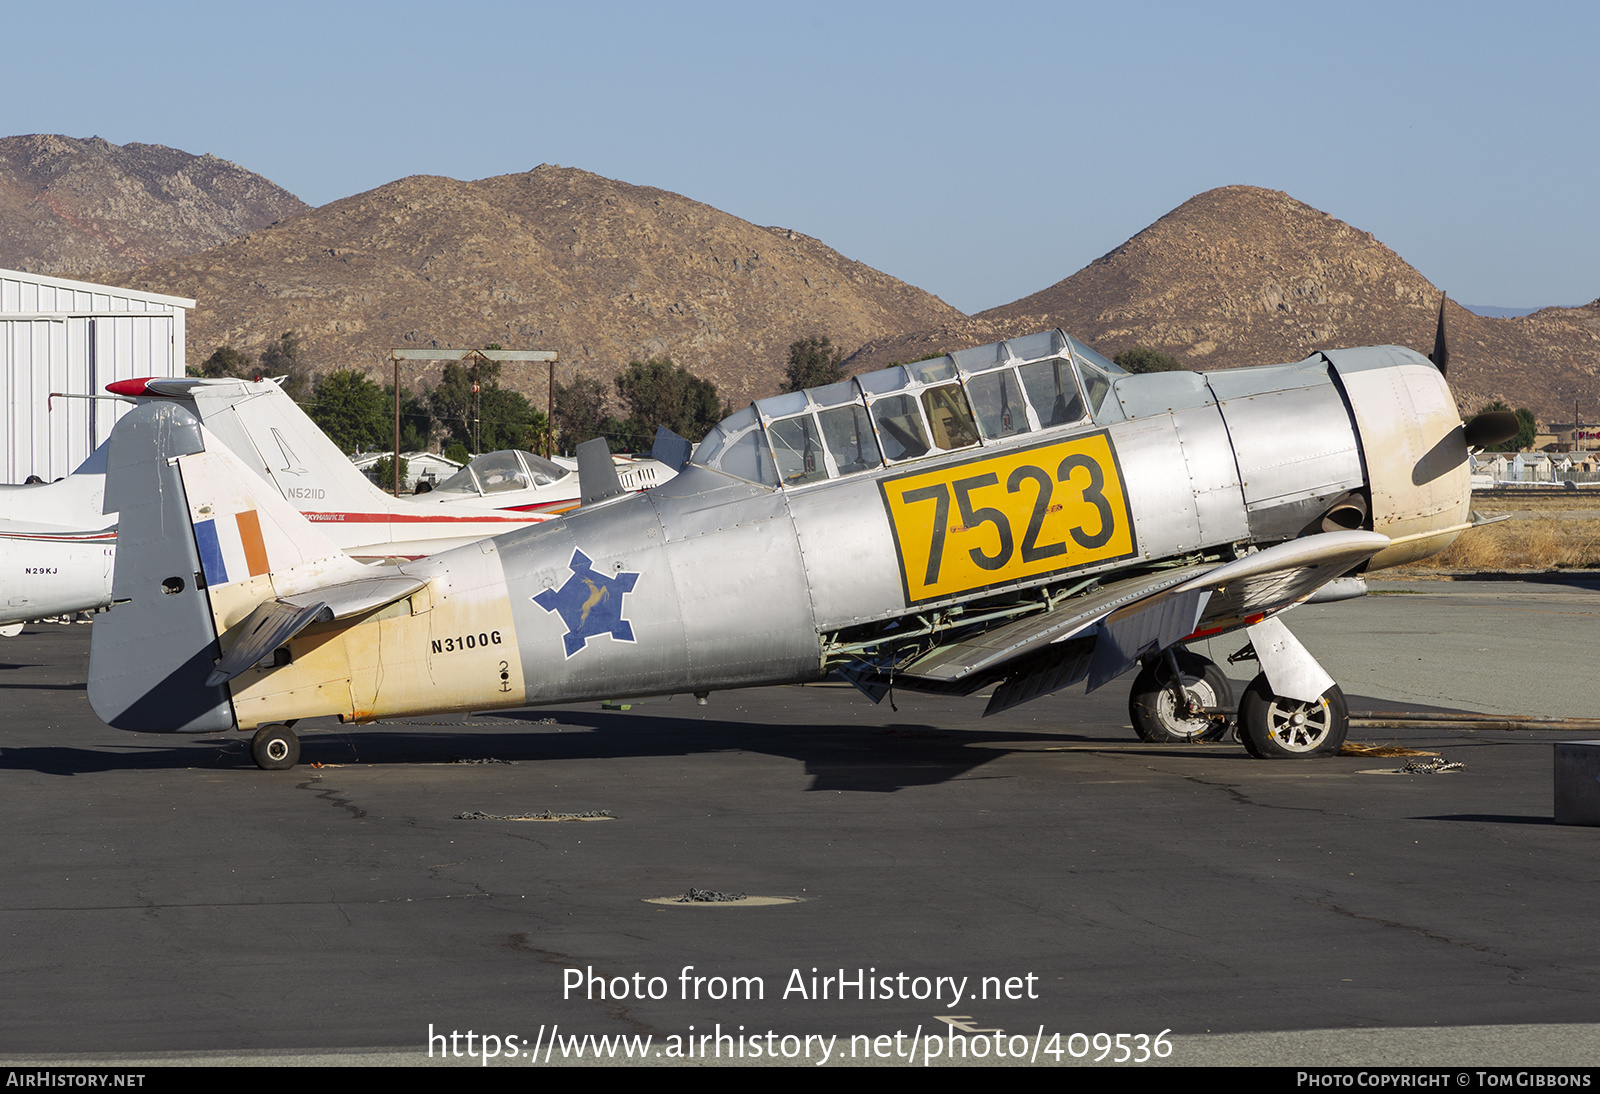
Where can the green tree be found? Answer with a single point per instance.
(416, 424)
(813, 362)
(580, 411)
(225, 361)
(353, 411)
(382, 472)
(509, 421)
(660, 393)
(282, 358)
(497, 418)
(1144, 359)
(450, 402)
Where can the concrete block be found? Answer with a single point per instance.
(1577, 777)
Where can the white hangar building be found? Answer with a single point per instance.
(74, 337)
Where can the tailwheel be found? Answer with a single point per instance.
(1273, 727)
(275, 748)
(1162, 714)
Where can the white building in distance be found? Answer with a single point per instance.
(74, 337)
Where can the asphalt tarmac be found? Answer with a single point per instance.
(1040, 873)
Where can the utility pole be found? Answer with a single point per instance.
(525, 356)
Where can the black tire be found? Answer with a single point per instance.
(275, 748)
(1276, 728)
(1153, 709)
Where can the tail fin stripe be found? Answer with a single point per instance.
(205, 537)
(255, 548)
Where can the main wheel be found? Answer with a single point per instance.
(275, 748)
(1276, 728)
(1156, 712)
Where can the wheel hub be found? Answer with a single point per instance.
(1185, 719)
(1299, 727)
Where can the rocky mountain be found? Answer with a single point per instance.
(69, 207)
(1246, 276)
(601, 271)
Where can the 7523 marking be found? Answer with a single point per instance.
(991, 521)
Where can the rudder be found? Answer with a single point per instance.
(151, 653)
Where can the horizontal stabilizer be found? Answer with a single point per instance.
(271, 625)
(274, 622)
(597, 474)
(356, 597)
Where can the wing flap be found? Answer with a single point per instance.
(1015, 640)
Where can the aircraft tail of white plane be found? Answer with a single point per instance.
(264, 428)
(273, 437)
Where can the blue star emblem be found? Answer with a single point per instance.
(590, 603)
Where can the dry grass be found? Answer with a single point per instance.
(1538, 543)
(1351, 748)
(1542, 501)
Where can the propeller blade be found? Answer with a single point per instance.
(1492, 428)
(1441, 352)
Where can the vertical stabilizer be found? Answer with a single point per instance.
(151, 653)
(264, 427)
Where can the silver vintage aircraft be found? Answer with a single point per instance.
(1020, 516)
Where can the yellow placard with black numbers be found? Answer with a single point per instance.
(994, 520)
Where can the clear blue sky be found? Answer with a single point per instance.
(979, 151)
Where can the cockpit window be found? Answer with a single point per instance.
(949, 417)
(798, 450)
(905, 412)
(900, 427)
(738, 447)
(997, 404)
(1053, 392)
(1098, 376)
(848, 432)
(543, 471)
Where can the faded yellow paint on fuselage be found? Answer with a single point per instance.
(450, 646)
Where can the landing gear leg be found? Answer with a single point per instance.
(1165, 710)
(275, 748)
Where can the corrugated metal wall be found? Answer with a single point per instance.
(71, 336)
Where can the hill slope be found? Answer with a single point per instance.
(555, 258)
(1246, 276)
(69, 207)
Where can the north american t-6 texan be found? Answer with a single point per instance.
(1019, 517)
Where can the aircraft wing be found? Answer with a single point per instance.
(1103, 634)
(1271, 580)
(1013, 641)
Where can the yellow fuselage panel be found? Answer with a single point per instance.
(459, 655)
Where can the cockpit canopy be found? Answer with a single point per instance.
(502, 472)
(907, 412)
